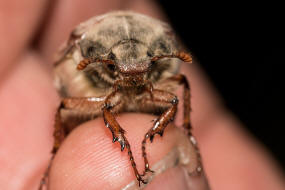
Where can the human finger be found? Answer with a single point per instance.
(17, 26)
(232, 158)
(89, 160)
(27, 100)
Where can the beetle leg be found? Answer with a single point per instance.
(182, 80)
(58, 138)
(81, 104)
(118, 132)
(165, 99)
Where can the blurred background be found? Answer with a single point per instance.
(241, 46)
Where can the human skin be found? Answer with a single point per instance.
(30, 33)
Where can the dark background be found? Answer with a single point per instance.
(241, 47)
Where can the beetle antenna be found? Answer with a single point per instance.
(180, 55)
(184, 56)
(86, 61)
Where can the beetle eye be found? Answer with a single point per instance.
(90, 50)
(149, 54)
(111, 67)
(111, 56)
(152, 63)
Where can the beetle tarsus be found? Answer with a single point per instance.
(115, 138)
(151, 136)
(146, 170)
(140, 179)
(123, 144)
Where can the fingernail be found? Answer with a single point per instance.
(189, 155)
(178, 178)
(181, 168)
(173, 178)
(196, 182)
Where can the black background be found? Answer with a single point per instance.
(241, 47)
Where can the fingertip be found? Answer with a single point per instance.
(89, 160)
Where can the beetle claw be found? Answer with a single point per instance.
(151, 137)
(115, 139)
(141, 180)
(121, 140)
(123, 144)
(160, 133)
(149, 170)
(146, 170)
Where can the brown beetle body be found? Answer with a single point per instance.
(120, 62)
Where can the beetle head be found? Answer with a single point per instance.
(127, 57)
(130, 57)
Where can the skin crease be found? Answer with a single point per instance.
(232, 158)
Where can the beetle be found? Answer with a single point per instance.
(120, 62)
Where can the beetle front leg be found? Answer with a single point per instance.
(182, 80)
(118, 132)
(59, 135)
(166, 99)
(86, 105)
